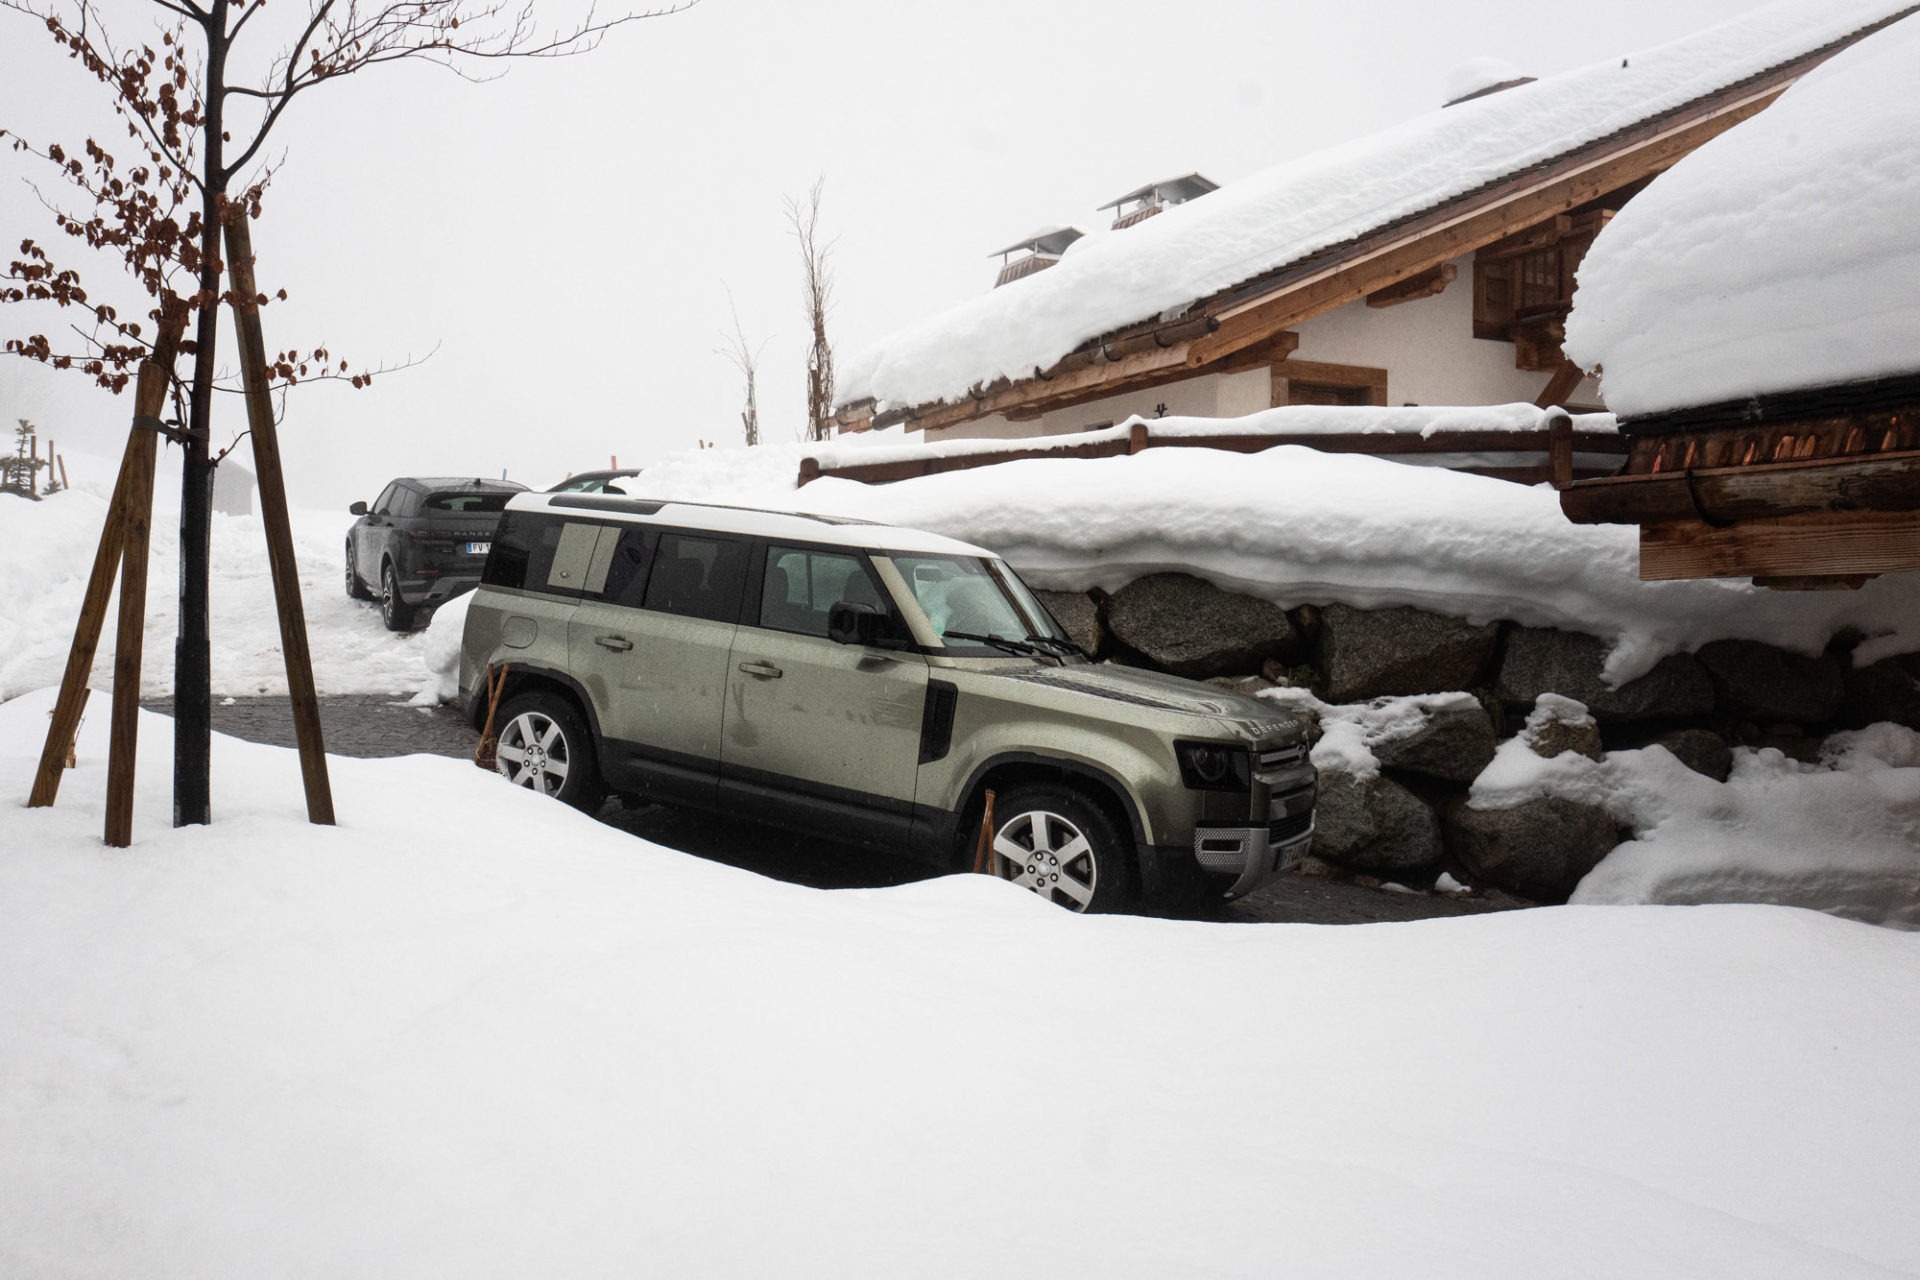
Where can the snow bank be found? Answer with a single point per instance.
(1300, 527)
(472, 1033)
(1782, 254)
(49, 549)
(894, 445)
(1281, 215)
(1842, 836)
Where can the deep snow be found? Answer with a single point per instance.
(48, 553)
(473, 1033)
(1783, 254)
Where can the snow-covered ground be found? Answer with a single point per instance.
(1783, 254)
(473, 1033)
(48, 553)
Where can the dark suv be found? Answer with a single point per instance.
(423, 542)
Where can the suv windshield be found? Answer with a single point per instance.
(973, 596)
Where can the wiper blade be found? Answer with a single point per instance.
(1006, 644)
(1054, 644)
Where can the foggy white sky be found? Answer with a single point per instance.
(565, 234)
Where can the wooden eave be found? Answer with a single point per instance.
(1254, 311)
(1817, 488)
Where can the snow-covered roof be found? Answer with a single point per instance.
(1784, 254)
(1281, 215)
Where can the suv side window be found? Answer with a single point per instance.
(383, 505)
(406, 503)
(626, 568)
(697, 577)
(802, 584)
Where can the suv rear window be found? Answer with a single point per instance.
(469, 503)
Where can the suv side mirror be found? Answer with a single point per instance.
(357, 509)
(850, 622)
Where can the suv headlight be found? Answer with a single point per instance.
(1215, 766)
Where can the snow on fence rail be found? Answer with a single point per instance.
(1506, 442)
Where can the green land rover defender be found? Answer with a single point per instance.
(871, 684)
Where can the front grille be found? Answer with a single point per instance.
(1285, 829)
(1273, 758)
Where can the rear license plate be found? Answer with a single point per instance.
(478, 548)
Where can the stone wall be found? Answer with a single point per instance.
(1410, 820)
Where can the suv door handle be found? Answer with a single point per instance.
(766, 669)
(619, 644)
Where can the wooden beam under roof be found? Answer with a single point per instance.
(1422, 284)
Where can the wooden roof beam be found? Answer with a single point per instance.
(1423, 284)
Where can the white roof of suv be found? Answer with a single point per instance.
(748, 521)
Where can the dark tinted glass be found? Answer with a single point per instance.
(697, 577)
(469, 503)
(627, 570)
(522, 550)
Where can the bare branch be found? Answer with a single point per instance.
(818, 292)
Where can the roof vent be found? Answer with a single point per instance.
(1042, 250)
(1479, 77)
(1141, 204)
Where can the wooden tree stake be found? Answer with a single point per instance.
(149, 399)
(273, 515)
(137, 509)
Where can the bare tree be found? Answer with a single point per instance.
(805, 221)
(198, 120)
(745, 358)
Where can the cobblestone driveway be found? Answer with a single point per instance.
(373, 726)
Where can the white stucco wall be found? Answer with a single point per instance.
(1211, 395)
(1428, 350)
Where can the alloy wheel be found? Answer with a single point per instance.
(1049, 855)
(533, 752)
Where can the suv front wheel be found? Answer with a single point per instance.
(1061, 845)
(356, 589)
(546, 747)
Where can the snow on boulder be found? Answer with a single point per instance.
(1783, 254)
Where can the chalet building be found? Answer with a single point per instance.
(1430, 264)
(1768, 382)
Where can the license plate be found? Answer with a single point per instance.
(478, 548)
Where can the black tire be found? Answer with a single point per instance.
(394, 610)
(356, 589)
(1063, 846)
(546, 746)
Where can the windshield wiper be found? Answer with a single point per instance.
(1006, 644)
(1062, 647)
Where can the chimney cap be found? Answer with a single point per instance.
(1187, 186)
(1052, 240)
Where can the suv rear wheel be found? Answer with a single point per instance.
(546, 747)
(394, 610)
(1061, 845)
